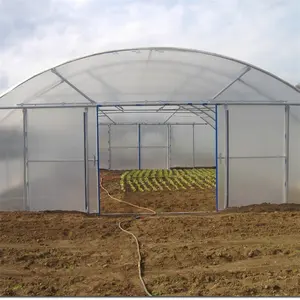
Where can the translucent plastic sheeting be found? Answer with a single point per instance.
(124, 159)
(124, 136)
(256, 151)
(93, 189)
(151, 75)
(154, 142)
(92, 133)
(56, 159)
(256, 131)
(60, 93)
(204, 146)
(154, 135)
(30, 89)
(56, 186)
(154, 158)
(55, 134)
(104, 145)
(257, 86)
(256, 181)
(103, 136)
(294, 155)
(104, 159)
(12, 162)
(181, 146)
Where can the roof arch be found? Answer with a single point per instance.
(151, 75)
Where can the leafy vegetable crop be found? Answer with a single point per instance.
(168, 180)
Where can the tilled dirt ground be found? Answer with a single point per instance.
(191, 200)
(253, 251)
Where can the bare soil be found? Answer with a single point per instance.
(191, 200)
(253, 251)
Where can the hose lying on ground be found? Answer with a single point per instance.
(122, 201)
(130, 233)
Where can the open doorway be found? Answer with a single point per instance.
(169, 167)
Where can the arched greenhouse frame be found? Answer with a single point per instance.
(148, 108)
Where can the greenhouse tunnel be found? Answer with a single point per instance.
(148, 108)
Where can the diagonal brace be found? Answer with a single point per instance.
(246, 70)
(54, 71)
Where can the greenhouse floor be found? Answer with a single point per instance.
(181, 195)
(248, 251)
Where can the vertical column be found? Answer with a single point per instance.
(193, 145)
(109, 147)
(216, 157)
(98, 160)
(25, 159)
(86, 160)
(139, 146)
(227, 160)
(168, 147)
(287, 153)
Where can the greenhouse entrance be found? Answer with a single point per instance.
(162, 165)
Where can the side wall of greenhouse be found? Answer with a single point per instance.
(254, 157)
(294, 155)
(48, 157)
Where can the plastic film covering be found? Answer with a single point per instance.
(181, 146)
(124, 147)
(256, 151)
(152, 75)
(124, 136)
(59, 93)
(56, 159)
(204, 147)
(154, 146)
(256, 181)
(11, 162)
(124, 159)
(294, 155)
(154, 158)
(256, 86)
(62, 189)
(104, 140)
(154, 135)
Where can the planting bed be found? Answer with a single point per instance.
(179, 190)
(252, 251)
(167, 180)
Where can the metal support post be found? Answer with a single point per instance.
(216, 158)
(287, 153)
(86, 160)
(98, 161)
(25, 159)
(139, 146)
(227, 159)
(109, 146)
(168, 146)
(193, 126)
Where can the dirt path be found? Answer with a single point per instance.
(69, 254)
